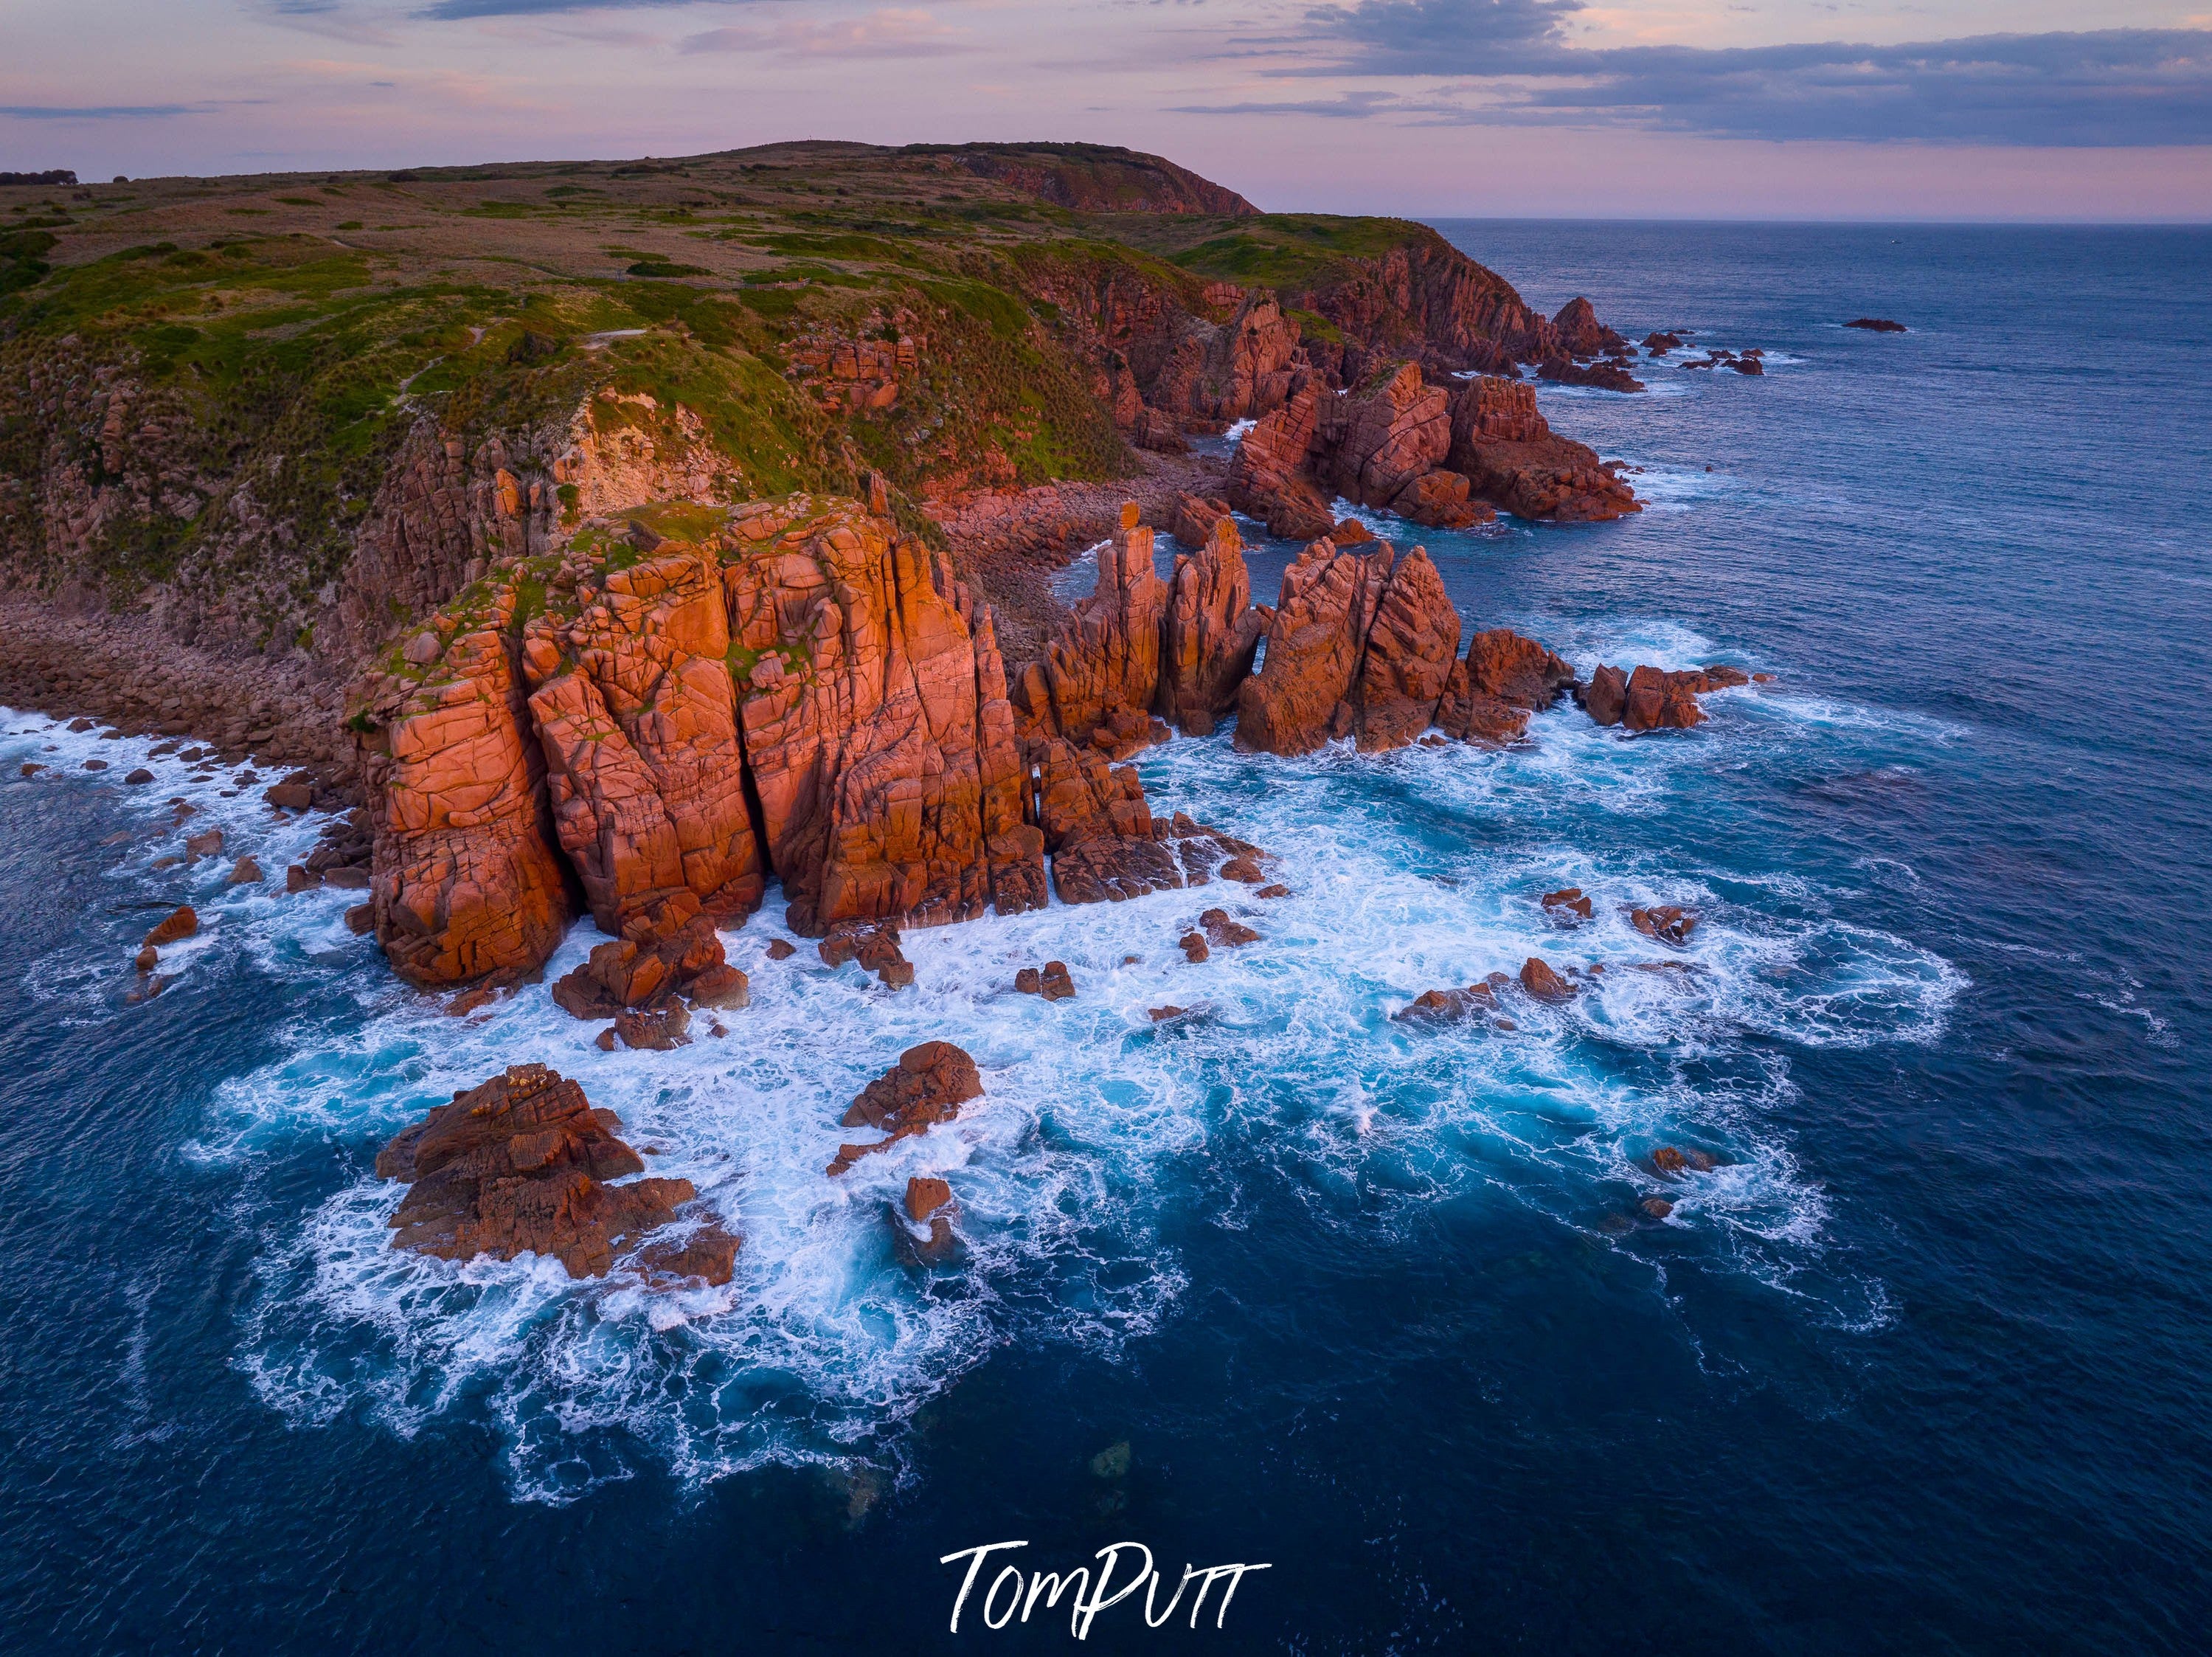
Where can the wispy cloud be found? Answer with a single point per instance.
(1508, 62)
(99, 112)
(887, 33)
(455, 10)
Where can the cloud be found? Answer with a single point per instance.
(1507, 61)
(1408, 36)
(447, 11)
(1352, 106)
(99, 112)
(888, 33)
(2115, 88)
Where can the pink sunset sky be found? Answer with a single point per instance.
(1848, 109)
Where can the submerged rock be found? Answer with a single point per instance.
(1224, 933)
(1668, 923)
(1453, 1006)
(1568, 900)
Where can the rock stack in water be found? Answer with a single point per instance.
(523, 1165)
(1654, 698)
(1445, 458)
(927, 1086)
(1364, 643)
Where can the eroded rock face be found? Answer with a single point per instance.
(1441, 499)
(466, 883)
(522, 1165)
(634, 707)
(876, 727)
(1658, 699)
(927, 1086)
(797, 687)
(1300, 698)
(1210, 632)
(1235, 371)
(1102, 672)
(1098, 828)
(1270, 480)
(1195, 516)
(1376, 441)
(1514, 459)
(1408, 656)
(1605, 695)
(1503, 679)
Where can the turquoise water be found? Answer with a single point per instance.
(1915, 1366)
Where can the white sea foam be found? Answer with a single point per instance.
(1285, 1073)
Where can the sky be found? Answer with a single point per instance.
(1794, 109)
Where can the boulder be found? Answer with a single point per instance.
(1605, 697)
(1224, 933)
(708, 1256)
(1449, 1006)
(1539, 980)
(1602, 375)
(148, 958)
(1668, 923)
(138, 775)
(1055, 984)
(874, 945)
(658, 1030)
(521, 1165)
(287, 796)
(721, 988)
(666, 948)
(929, 1203)
(1441, 499)
(1196, 515)
(179, 923)
(246, 872)
(1657, 699)
(928, 1085)
(1028, 982)
(780, 949)
(1875, 324)
(1193, 947)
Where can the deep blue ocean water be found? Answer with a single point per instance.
(1919, 1366)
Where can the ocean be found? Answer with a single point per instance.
(1917, 1364)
